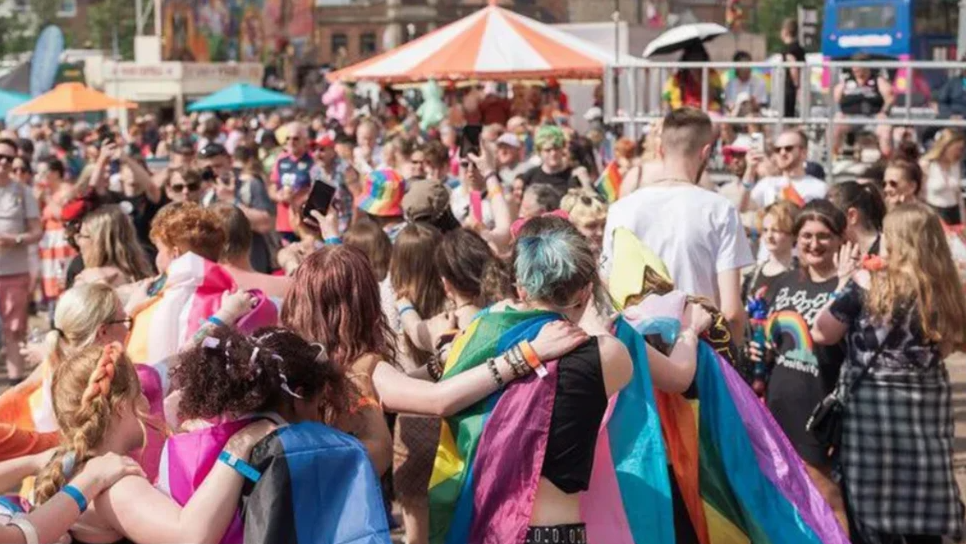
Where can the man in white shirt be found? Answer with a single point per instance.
(791, 150)
(697, 233)
(745, 83)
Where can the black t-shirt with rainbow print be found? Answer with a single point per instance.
(803, 372)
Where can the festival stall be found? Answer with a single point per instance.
(492, 44)
(242, 96)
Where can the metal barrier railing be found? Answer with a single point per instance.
(638, 101)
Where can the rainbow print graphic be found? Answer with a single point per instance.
(609, 183)
(791, 323)
(382, 193)
(791, 194)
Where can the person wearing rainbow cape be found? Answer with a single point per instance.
(560, 456)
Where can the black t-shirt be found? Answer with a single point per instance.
(143, 213)
(561, 181)
(795, 51)
(803, 373)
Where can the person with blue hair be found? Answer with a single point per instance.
(555, 268)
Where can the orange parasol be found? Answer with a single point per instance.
(71, 98)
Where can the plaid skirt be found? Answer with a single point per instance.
(897, 453)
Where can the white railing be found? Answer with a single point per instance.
(633, 95)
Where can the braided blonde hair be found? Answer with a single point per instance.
(88, 390)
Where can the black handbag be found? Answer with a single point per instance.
(825, 422)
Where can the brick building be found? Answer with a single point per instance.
(362, 28)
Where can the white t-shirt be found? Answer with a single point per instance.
(755, 88)
(459, 203)
(697, 233)
(768, 190)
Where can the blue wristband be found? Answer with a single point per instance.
(216, 322)
(78, 497)
(406, 308)
(240, 466)
(333, 241)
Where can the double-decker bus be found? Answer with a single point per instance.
(897, 29)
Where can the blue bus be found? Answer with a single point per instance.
(894, 29)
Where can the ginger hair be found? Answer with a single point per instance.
(88, 390)
(188, 227)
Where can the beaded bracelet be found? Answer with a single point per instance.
(491, 364)
(517, 362)
(435, 368)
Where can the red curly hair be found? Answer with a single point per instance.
(335, 301)
(188, 227)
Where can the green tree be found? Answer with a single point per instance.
(106, 17)
(768, 16)
(45, 11)
(16, 35)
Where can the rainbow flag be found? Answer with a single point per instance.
(191, 294)
(609, 183)
(791, 194)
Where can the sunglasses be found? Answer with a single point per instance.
(127, 322)
(892, 184)
(785, 148)
(6, 159)
(180, 188)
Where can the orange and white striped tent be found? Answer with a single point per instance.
(491, 44)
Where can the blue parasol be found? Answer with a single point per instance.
(242, 96)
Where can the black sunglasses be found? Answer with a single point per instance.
(127, 322)
(6, 159)
(784, 148)
(191, 187)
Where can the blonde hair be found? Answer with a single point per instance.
(80, 313)
(785, 214)
(114, 243)
(652, 143)
(583, 206)
(920, 268)
(946, 138)
(87, 391)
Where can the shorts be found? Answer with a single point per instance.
(14, 297)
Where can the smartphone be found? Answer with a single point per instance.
(319, 199)
(114, 166)
(470, 140)
(758, 142)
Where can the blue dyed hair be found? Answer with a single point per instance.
(553, 261)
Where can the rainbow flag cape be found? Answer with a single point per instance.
(192, 293)
(609, 182)
(479, 487)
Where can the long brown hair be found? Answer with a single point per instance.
(334, 301)
(413, 271)
(465, 260)
(920, 269)
(369, 237)
(87, 391)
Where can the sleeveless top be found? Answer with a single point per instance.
(861, 99)
(578, 411)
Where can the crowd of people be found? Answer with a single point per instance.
(213, 294)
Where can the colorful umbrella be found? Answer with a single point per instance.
(10, 100)
(71, 98)
(241, 96)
